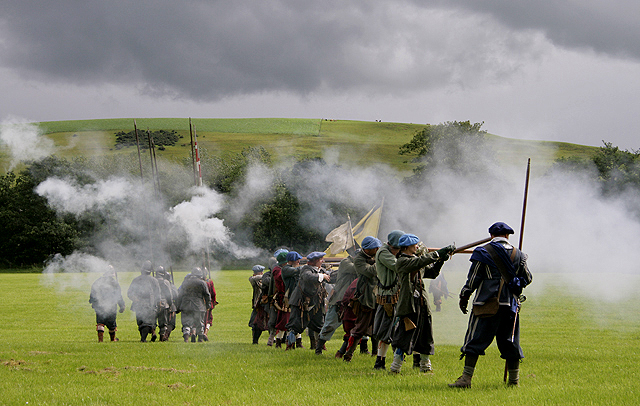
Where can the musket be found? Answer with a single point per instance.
(471, 245)
(464, 249)
(524, 212)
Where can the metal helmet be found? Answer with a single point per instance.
(197, 271)
(110, 271)
(146, 268)
(160, 272)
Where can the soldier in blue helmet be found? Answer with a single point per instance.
(307, 300)
(364, 263)
(412, 331)
(386, 296)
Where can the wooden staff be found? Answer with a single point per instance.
(524, 212)
(193, 154)
(135, 127)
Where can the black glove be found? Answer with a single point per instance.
(464, 302)
(515, 286)
(444, 253)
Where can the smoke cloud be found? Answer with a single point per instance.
(24, 141)
(574, 237)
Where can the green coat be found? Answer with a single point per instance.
(367, 280)
(386, 272)
(411, 269)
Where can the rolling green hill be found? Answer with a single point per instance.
(358, 142)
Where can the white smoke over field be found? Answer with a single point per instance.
(136, 226)
(24, 141)
(573, 236)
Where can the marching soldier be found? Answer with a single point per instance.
(105, 298)
(144, 293)
(193, 301)
(167, 308)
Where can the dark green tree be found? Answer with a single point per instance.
(452, 145)
(617, 170)
(30, 230)
(225, 173)
(279, 223)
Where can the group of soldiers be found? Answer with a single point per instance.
(378, 294)
(156, 301)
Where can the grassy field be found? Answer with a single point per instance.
(577, 352)
(352, 142)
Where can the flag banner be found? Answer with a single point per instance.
(345, 236)
(341, 239)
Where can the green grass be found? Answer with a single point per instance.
(577, 352)
(349, 142)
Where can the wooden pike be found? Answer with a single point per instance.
(524, 212)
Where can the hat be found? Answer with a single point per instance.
(394, 238)
(370, 242)
(315, 255)
(258, 268)
(197, 271)
(282, 257)
(500, 228)
(293, 256)
(408, 239)
(278, 251)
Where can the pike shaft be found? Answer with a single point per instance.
(524, 204)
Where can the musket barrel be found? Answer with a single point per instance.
(471, 245)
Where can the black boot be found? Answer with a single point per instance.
(416, 360)
(256, 335)
(144, 332)
(312, 341)
(351, 347)
(112, 335)
(364, 347)
(374, 347)
(343, 349)
(380, 363)
(299, 343)
(278, 342)
(320, 346)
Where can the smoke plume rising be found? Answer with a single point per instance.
(24, 141)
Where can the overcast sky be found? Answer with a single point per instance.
(554, 70)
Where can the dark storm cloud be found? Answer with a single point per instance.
(609, 27)
(206, 50)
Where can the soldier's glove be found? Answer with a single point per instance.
(371, 261)
(464, 302)
(515, 285)
(445, 253)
